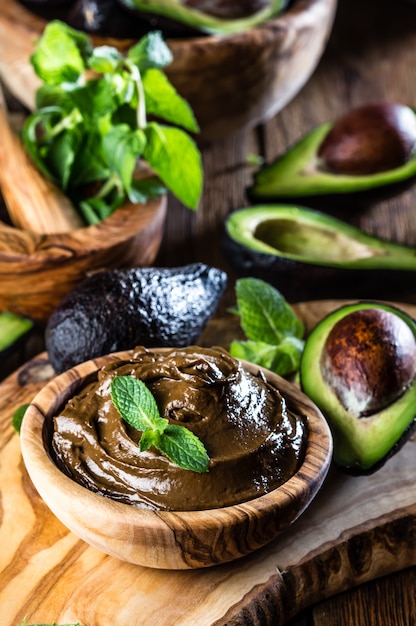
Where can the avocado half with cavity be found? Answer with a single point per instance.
(359, 367)
(209, 16)
(369, 152)
(309, 254)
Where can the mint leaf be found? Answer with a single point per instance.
(265, 314)
(273, 331)
(121, 148)
(162, 100)
(149, 438)
(146, 189)
(105, 59)
(137, 406)
(75, 135)
(283, 359)
(150, 51)
(61, 53)
(175, 158)
(184, 448)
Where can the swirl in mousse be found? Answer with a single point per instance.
(255, 443)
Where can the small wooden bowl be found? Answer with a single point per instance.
(232, 82)
(169, 540)
(37, 270)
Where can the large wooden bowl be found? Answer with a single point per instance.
(37, 270)
(232, 82)
(169, 540)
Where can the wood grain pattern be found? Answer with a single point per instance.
(34, 203)
(171, 540)
(250, 75)
(37, 270)
(356, 529)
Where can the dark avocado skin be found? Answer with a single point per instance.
(247, 231)
(120, 309)
(301, 281)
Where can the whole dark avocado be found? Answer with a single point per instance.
(308, 254)
(359, 367)
(366, 154)
(119, 309)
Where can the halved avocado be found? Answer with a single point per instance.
(309, 254)
(371, 149)
(359, 367)
(13, 328)
(208, 18)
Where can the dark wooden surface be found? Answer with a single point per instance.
(370, 57)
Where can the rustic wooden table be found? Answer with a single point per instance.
(370, 57)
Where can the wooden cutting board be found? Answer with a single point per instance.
(357, 529)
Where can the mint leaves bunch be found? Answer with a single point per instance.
(137, 406)
(95, 118)
(274, 333)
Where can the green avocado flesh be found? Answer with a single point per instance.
(361, 443)
(12, 328)
(175, 10)
(297, 174)
(310, 237)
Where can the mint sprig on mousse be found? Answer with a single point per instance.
(100, 112)
(137, 406)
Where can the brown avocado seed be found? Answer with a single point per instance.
(369, 359)
(369, 139)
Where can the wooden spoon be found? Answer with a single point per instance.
(34, 203)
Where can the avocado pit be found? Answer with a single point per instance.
(369, 360)
(369, 139)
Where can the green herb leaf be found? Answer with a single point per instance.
(184, 448)
(61, 53)
(265, 314)
(175, 158)
(274, 332)
(137, 406)
(105, 59)
(283, 359)
(162, 100)
(121, 147)
(75, 137)
(150, 51)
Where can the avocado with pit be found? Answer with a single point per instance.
(309, 254)
(359, 368)
(366, 154)
(115, 310)
(209, 16)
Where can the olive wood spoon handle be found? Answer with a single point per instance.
(34, 203)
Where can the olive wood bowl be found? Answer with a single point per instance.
(37, 270)
(169, 540)
(232, 82)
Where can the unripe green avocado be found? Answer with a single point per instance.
(359, 367)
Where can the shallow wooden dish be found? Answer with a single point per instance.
(37, 270)
(169, 540)
(232, 82)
